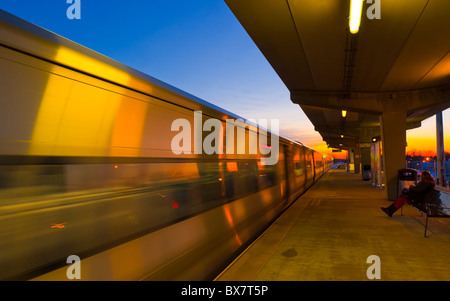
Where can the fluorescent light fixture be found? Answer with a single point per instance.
(344, 113)
(355, 15)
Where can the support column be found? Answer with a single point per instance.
(440, 149)
(393, 138)
(351, 160)
(365, 156)
(364, 146)
(357, 157)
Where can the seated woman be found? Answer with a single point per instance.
(415, 193)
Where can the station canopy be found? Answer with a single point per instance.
(399, 61)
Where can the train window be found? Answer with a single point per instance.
(298, 169)
(248, 178)
(135, 197)
(31, 180)
(231, 166)
(210, 185)
(309, 162)
(248, 175)
(298, 164)
(266, 176)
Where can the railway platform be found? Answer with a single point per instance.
(329, 233)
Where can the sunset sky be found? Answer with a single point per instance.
(197, 46)
(423, 139)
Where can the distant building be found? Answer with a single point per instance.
(422, 163)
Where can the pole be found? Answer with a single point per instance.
(440, 149)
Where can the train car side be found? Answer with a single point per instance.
(87, 168)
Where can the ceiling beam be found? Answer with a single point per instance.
(434, 99)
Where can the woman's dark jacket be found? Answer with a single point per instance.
(417, 193)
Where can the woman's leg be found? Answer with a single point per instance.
(400, 202)
(395, 206)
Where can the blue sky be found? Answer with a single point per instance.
(197, 46)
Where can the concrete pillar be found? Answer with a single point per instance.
(440, 149)
(393, 138)
(351, 160)
(375, 163)
(364, 149)
(357, 152)
(365, 156)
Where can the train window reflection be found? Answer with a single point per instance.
(267, 176)
(298, 169)
(232, 166)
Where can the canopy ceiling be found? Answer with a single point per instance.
(398, 62)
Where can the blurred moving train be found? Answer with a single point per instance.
(86, 169)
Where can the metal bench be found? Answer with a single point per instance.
(431, 207)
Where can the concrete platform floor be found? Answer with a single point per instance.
(329, 233)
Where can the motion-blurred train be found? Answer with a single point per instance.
(87, 169)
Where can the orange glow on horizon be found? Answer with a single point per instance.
(422, 140)
(323, 149)
(425, 146)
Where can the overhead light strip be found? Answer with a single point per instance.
(355, 15)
